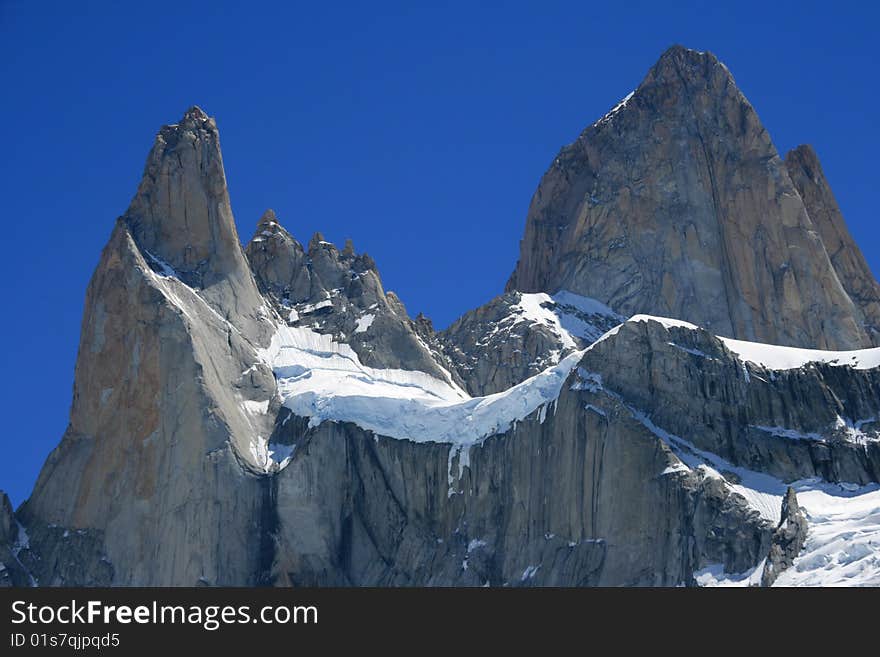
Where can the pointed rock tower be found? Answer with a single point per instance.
(849, 263)
(157, 478)
(181, 218)
(676, 203)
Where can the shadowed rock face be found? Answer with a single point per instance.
(787, 540)
(677, 204)
(577, 498)
(11, 571)
(785, 423)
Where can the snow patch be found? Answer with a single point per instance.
(791, 434)
(256, 407)
(714, 575)
(614, 110)
(843, 543)
(363, 323)
(310, 308)
(775, 357)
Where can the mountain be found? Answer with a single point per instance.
(676, 203)
(167, 387)
(678, 387)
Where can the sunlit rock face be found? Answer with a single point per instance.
(677, 204)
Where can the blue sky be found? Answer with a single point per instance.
(418, 130)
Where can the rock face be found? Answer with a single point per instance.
(155, 480)
(12, 573)
(792, 424)
(570, 497)
(677, 204)
(181, 218)
(606, 451)
(8, 526)
(516, 336)
(849, 263)
(787, 541)
(340, 294)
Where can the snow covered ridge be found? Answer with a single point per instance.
(788, 358)
(324, 380)
(569, 316)
(614, 110)
(776, 357)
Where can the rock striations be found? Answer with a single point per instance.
(677, 204)
(168, 381)
(849, 263)
(271, 415)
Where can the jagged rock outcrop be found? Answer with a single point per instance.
(787, 541)
(340, 293)
(8, 525)
(815, 421)
(849, 263)
(515, 336)
(12, 573)
(677, 204)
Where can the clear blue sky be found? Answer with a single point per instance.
(420, 132)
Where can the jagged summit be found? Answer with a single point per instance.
(677, 204)
(195, 113)
(340, 294)
(676, 55)
(181, 211)
(181, 219)
(679, 67)
(269, 226)
(268, 219)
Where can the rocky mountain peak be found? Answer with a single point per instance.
(340, 294)
(268, 220)
(181, 212)
(805, 156)
(181, 220)
(317, 240)
(805, 170)
(676, 203)
(193, 121)
(195, 114)
(687, 63)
